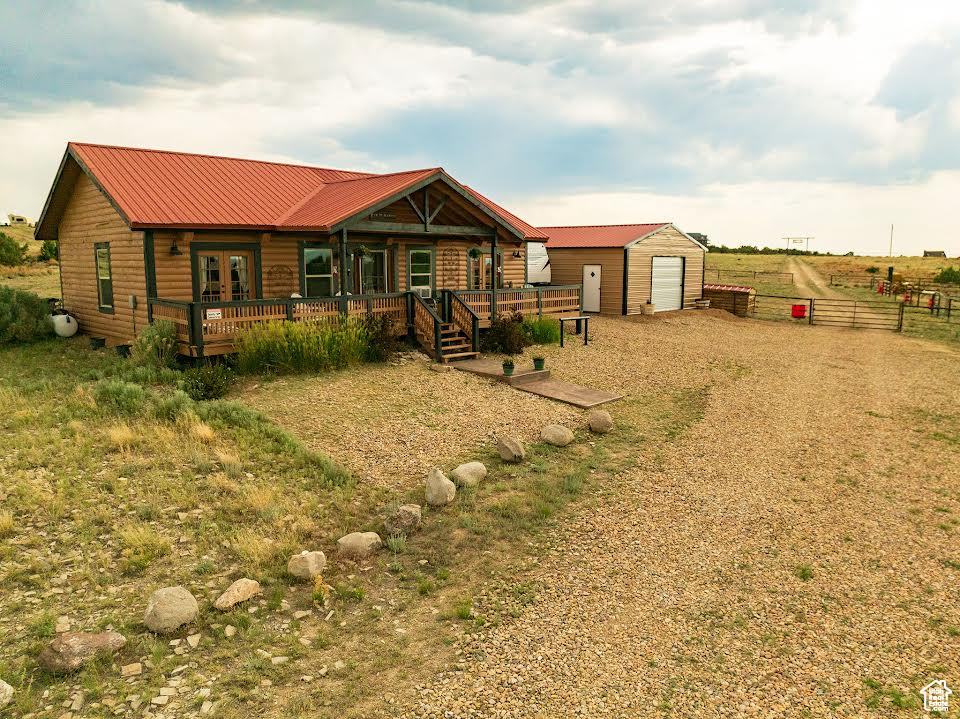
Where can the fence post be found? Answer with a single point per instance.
(411, 317)
(900, 319)
(539, 302)
(811, 311)
(438, 341)
(196, 327)
(289, 304)
(475, 333)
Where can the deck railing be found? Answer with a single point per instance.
(209, 328)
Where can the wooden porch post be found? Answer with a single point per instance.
(493, 282)
(344, 270)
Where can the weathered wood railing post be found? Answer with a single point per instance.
(539, 302)
(811, 311)
(289, 304)
(493, 280)
(411, 316)
(196, 327)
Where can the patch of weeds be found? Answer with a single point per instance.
(442, 574)
(350, 594)
(397, 543)
(804, 572)
(463, 610)
(951, 564)
(896, 698)
(426, 587)
(7, 524)
(142, 544)
(275, 598)
(43, 627)
(205, 566)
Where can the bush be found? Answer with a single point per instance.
(119, 397)
(948, 276)
(49, 250)
(209, 381)
(24, 317)
(173, 406)
(156, 345)
(542, 330)
(506, 335)
(10, 252)
(382, 342)
(284, 347)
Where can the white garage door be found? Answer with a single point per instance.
(667, 287)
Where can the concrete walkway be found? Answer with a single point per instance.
(538, 382)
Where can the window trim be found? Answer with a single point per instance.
(303, 268)
(386, 268)
(433, 268)
(198, 246)
(471, 261)
(108, 309)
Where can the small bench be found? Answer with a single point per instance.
(580, 319)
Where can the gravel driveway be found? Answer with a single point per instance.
(794, 553)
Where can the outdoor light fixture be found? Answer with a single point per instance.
(174, 250)
(516, 253)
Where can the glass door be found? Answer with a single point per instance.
(225, 275)
(481, 271)
(373, 273)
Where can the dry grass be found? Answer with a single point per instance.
(7, 523)
(122, 436)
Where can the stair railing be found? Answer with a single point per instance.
(426, 323)
(464, 318)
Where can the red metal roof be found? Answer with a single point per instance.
(157, 188)
(598, 235)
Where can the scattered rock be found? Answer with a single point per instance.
(6, 693)
(511, 449)
(206, 707)
(469, 474)
(160, 700)
(62, 625)
(600, 421)
(437, 367)
(307, 565)
(240, 591)
(279, 660)
(71, 650)
(193, 640)
(557, 435)
(439, 489)
(229, 631)
(405, 519)
(359, 544)
(131, 670)
(169, 609)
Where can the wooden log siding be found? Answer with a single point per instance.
(88, 219)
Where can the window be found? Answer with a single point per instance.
(318, 271)
(373, 272)
(480, 271)
(421, 271)
(104, 276)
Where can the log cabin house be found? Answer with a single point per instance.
(625, 269)
(216, 244)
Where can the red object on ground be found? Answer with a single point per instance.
(798, 312)
(880, 288)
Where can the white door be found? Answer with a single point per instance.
(666, 291)
(591, 288)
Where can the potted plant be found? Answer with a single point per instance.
(474, 253)
(508, 367)
(539, 362)
(362, 251)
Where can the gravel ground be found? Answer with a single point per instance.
(794, 553)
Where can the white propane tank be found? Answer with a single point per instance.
(64, 325)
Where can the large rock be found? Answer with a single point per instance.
(71, 650)
(307, 565)
(511, 449)
(240, 591)
(469, 474)
(439, 489)
(358, 545)
(557, 435)
(404, 519)
(6, 693)
(600, 421)
(169, 609)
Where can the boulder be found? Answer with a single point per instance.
(6, 693)
(469, 474)
(439, 489)
(404, 519)
(71, 650)
(169, 609)
(240, 591)
(511, 449)
(600, 421)
(358, 545)
(307, 565)
(557, 435)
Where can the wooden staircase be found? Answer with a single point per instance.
(454, 344)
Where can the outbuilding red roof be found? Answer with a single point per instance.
(599, 235)
(158, 188)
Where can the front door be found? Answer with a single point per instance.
(225, 275)
(591, 288)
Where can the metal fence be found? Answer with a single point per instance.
(717, 275)
(854, 314)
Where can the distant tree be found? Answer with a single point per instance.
(948, 276)
(11, 253)
(701, 238)
(48, 251)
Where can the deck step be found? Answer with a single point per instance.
(459, 355)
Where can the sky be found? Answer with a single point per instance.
(745, 120)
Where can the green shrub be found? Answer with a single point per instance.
(284, 347)
(873, 269)
(542, 330)
(156, 345)
(174, 405)
(209, 381)
(948, 276)
(24, 317)
(10, 252)
(381, 336)
(49, 250)
(506, 335)
(119, 397)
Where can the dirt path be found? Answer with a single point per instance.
(809, 282)
(793, 553)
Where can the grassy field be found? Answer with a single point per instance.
(911, 267)
(747, 263)
(23, 235)
(41, 278)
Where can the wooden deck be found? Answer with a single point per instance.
(538, 382)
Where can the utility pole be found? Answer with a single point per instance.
(891, 239)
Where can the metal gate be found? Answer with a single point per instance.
(855, 314)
